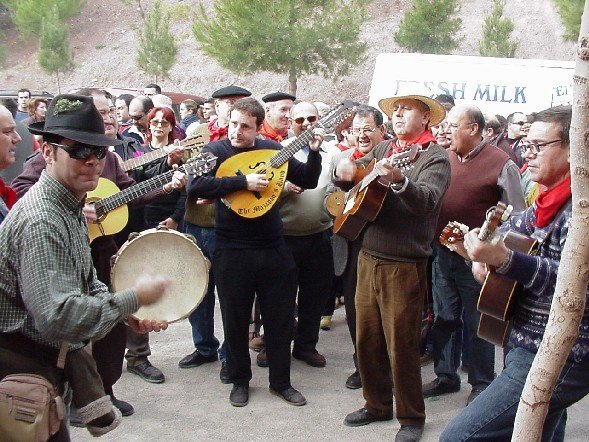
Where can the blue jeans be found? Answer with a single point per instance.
(456, 291)
(202, 319)
(492, 414)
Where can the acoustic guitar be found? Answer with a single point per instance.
(111, 203)
(189, 145)
(272, 163)
(498, 292)
(363, 202)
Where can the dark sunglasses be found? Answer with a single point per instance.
(310, 119)
(136, 117)
(83, 152)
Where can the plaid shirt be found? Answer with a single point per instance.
(48, 286)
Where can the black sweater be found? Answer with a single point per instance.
(232, 230)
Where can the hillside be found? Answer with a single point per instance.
(104, 47)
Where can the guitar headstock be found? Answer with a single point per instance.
(200, 164)
(337, 114)
(495, 216)
(453, 233)
(404, 160)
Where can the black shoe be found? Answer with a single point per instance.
(290, 395)
(196, 359)
(262, 359)
(474, 393)
(239, 396)
(364, 417)
(354, 382)
(409, 433)
(440, 386)
(75, 418)
(125, 408)
(147, 371)
(426, 358)
(224, 373)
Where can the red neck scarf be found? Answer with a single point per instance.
(7, 194)
(548, 203)
(216, 132)
(423, 139)
(269, 132)
(356, 155)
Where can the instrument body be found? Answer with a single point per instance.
(273, 164)
(363, 202)
(172, 254)
(111, 203)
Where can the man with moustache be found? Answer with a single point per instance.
(248, 250)
(138, 110)
(224, 100)
(482, 175)
(392, 265)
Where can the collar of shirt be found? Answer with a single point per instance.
(66, 198)
(473, 153)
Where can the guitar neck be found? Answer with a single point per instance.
(127, 195)
(288, 152)
(134, 163)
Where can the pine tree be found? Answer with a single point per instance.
(496, 32)
(290, 37)
(570, 12)
(54, 45)
(430, 27)
(157, 46)
(28, 15)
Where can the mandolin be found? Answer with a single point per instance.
(362, 203)
(272, 163)
(111, 203)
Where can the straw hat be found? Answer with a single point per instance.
(437, 111)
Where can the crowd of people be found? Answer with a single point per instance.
(279, 273)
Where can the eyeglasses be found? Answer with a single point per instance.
(136, 117)
(519, 123)
(82, 151)
(363, 130)
(536, 148)
(162, 123)
(311, 119)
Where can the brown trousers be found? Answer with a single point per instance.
(389, 300)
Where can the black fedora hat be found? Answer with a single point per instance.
(74, 117)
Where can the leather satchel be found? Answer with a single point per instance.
(30, 409)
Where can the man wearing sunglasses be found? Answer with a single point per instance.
(57, 296)
(277, 121)
(138, 110)
(515, 124)
(306, 227)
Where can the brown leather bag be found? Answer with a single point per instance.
(30, 409)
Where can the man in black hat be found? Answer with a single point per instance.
(224, 100)
(277, 121)
(42, 306)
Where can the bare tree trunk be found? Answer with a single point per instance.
(292, 82)
(568, 303)
(58, 85)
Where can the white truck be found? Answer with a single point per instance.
(495, 85)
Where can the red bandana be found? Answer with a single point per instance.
(269, 132)
(423, 139)
(7, 194)
(216, 132)
(356, 155)
(549, 202)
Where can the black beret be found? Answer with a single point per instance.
(277, 96)
(230, 91)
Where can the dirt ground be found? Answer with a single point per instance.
(193, 404)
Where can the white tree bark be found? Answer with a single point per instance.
(568, 303)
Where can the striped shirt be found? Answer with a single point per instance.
(49, 291)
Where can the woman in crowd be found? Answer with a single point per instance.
(37, 111)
